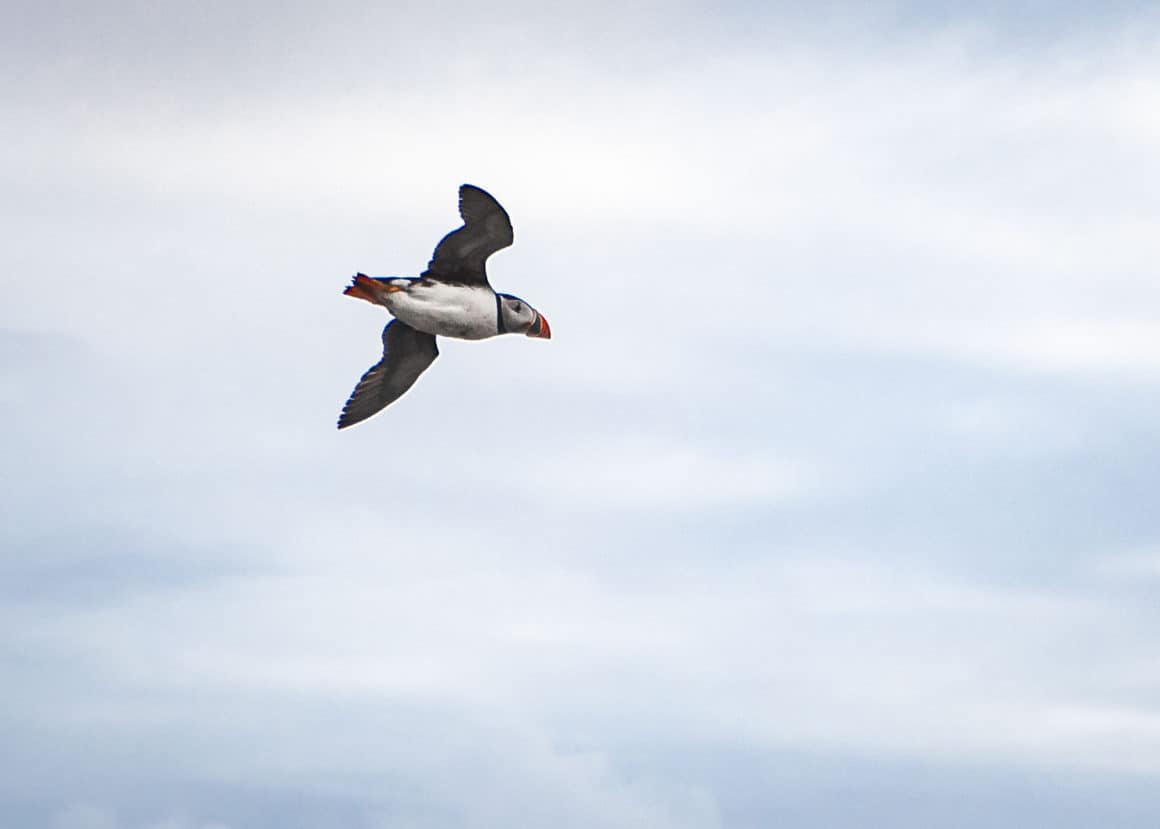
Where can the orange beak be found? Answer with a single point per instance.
(540, 328)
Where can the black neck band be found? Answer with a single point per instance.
(499, 326)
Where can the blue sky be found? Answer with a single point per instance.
(830, 503)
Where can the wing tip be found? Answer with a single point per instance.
(346, 420)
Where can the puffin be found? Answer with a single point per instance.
(452, 298)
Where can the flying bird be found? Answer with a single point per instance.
(452, 298)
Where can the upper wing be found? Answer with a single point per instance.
(460, 255)
(406, 354)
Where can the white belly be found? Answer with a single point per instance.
(446, 310)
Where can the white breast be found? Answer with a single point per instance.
(446, 310)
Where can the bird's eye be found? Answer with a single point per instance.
(517, 307)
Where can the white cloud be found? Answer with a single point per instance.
(988, 208)
(88, 816)
(580, 543)
(855, 655)
(85, 816)
(1089, 346)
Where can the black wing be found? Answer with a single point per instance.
(406, 354)
(459, 257)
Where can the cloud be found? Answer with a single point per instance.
(827, 499)
(85, 816)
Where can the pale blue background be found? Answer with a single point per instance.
(832, 502)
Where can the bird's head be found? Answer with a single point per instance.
(521, 318)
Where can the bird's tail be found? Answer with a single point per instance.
(363, 287)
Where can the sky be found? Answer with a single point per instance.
(830, 503)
